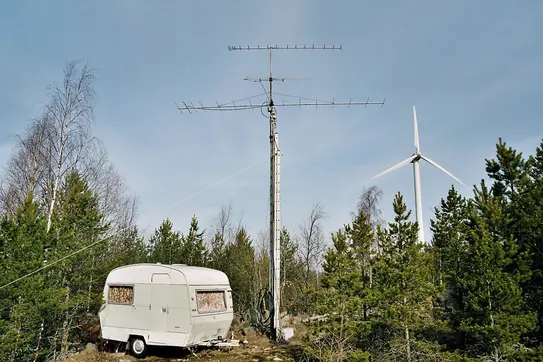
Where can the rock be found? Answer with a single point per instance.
(90, 348)
(277, 359)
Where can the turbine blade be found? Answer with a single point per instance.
(403, 163)
(441, 168)
(417, 145)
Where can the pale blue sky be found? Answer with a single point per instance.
(473, 69)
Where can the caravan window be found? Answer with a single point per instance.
(121, 294)
(210, 301)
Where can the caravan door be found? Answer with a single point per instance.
(158, 308)
(179, 313)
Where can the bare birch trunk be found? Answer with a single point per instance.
(36, 354)
(496, 351)
(58, 169)
(407, 345)
(340, 344)
(407, 338)
(18, 324)
(90, 285)
(14, 353)
(66, 326)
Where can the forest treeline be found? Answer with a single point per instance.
(473, 293)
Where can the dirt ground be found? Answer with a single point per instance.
(258, 348)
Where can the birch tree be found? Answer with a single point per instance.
(222, 232)
(25, 171)
(118, 206)
(368, 203)
(311, 239)
(70, 113)
(33, 167)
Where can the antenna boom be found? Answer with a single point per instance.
(282, 79)
(285, 47)
(240, 107)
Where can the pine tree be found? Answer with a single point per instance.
(533, 231)
(241, 257)
(511, 193)
(361, 238)
(193, 249)
(495, 315)
(291, 269)
(24, 306)
(450, 230)
(518, 185)
(403, 271)
(510, 174)
(334, 337)
(77, 223)
(217, 253)
(509, 171)
(165, 245)
(127, 247)
(288, 256)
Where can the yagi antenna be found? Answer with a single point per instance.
(241, 107)
(275, 220)
(282, 79)
(286, 47)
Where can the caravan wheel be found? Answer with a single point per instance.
(138, 348)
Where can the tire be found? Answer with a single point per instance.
(138, 347)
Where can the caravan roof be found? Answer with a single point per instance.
(192, 275)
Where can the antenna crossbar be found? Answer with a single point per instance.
(239, 107)
(281, 79)
(285, 47)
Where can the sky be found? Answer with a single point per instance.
(472, 69)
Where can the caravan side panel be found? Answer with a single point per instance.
(156, 297)
(119, 318)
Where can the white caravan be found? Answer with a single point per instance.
(165, 305)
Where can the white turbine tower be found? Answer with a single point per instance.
(416, 171)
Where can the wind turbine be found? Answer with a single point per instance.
(414, 159)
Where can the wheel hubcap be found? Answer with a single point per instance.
(138, 346)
